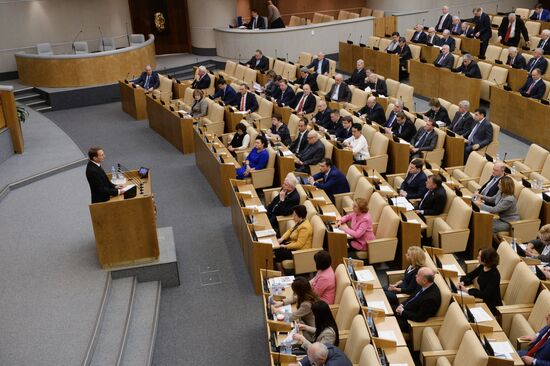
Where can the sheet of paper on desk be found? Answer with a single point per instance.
(280, 281)
(332, 214)
(386, 189)
(287, 153)
(364, 275)
(259, 208)
(480, 315)
(402, 202)
(267, 241)
(413, 221)
(128, 187)
(264, 233)
(338, 230)
(450, 267)
(246, 193)
(502, 348)
(377, 305)
(387, 334)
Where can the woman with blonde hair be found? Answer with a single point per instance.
(359, 225)
(540, 247)
(416, 258)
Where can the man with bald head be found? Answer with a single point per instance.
(422, 305)
(320, 65)
(320, 354)
(373, 111)
(445, 59)
(339, 92)
(490, 188)
(148, 79)
(445, 20)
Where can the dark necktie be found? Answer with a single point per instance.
(488, 186)
(420, 141)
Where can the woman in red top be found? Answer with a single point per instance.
(359, 225)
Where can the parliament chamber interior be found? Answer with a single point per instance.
(353, 182)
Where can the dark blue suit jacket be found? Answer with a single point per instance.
(422, 37)
(449, 41)
(335, 358)
(154, 80)
(287, 98)
(541, 64)
(538, 89)
(544, 17)
(203, 83)
(334, 183)
(250, 104)
(315, 64)
(543, 354)
(484, 134)
(416, 188)
(228, 95)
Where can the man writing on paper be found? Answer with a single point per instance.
(101, 187)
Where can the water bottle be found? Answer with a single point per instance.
(514, 243)
(514, 170)
(296, 328)
(287, 316)
(369, 318)
(358, 292)
(497, 158)
(540, 183)
(350, 265)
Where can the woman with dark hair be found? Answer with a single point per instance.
(256, 159)
(325, 330)
(303, 297)
(300, 236)
(488, 279)
(324, 282)
(240, 140)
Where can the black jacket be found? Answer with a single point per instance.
(471, 71)
(311, 80)
(537, 91)
(309, 103)
(286, 97)
(446, 24)
(545, 46)
(447, 62)
(428, 143)
(380, 87)
(344, 93)
(423, 306)
(284, 208)
(483, 26)
(312, 154)
(260, 23)
(299, 145)
(263, 63)
(462, 126)
(419, 37)
(434, 202)
(406, 131)
(323, 118)
(520, 30)
(416, 188)
(357, 78)
(100, 186)
(203, 83)
(489, 286)
(449, 41)
(541, 64)
(441, 115)
(519, 61)
(154, 80)
(376, 113)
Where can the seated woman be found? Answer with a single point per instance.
(359, 225)
(504, 205)
(298, 237)
(304, 297)
(240, 140)
(416, 258)
(256, 160)
(540, 247)
(325, 329)
(488, 279)
(324, 282)
(200, 105)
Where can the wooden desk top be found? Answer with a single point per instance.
(389, 324)
(450, 263)
(375, 282)
(412, 217)
(377, 295)
(501, 337)
(399, 355)
(493, 322)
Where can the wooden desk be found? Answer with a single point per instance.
(389, 324)
(493, 323)
(132, 99)
(409, 234)
(232, 119)
(358, 266)
(397, 355)
(482, 234)
(126, 229)
(454, 151)
(470, 45)
(179, 88)
(428, 53)
(347, 64)
(424, 77)
(501, 337)
(384, 63)
(377, 295)
(516, 78)
(170, 125)
(398, 157)
(343, 158)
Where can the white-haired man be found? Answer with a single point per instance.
(202, 79)
(320, 354)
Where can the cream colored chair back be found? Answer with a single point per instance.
(331, 67)
(322, 81)
(253, 133)
(265, 108)
(383, 43)
(500, 74)
(508, 260)
(504, 55)
(445, 294)
(470, 352)
(537, 318)
(317, 18)
(392, 87)
(452, 111)
(293, 125)
(485, 69)
(359, 98)
(349, 308)
(352, 15)
(366, 12)
(545, 172)
(369, 356)
(409, 34)
(328, 148)
(523, 13)
(239, 72)
(533, 28)
(390, 224)
(342, 15)
(368, 131)
(357, 340)
(523, 286)
(250, 76)
(376, 206)
(415, 51)
(527, 57)
(493, 52)
(474, 165)
(451, 194)
(188, 97)
(342, 282)
(330, 83)
(496, 20)
(373, 41)
(444, 103)
(459, 214)
(453, 328)
(363, 189)
(289, 72)
(529, 204)
(405, 93)
(379, 145)
(278, 67)
(230, 67)
(319, 231)
(486, 173)
(353, 176)
(536, 156)
(304, 58)
(294, 21)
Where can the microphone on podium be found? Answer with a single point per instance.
(75, 38)
(102, 40)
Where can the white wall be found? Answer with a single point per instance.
(23, 24)
(205, 15)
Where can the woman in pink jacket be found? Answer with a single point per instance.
(359, 225)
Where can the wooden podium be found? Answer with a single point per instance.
(132, 98)
(470, 45)
(126, 229)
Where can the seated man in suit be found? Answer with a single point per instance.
(324, 354)
(397, 107)
(481, 134)
(226, 93)
(456, 27)
(537, 62)
(445, 20)
(278, 131)
(312, 154)
(373, 111)
(466, 30)
(432, 38)
(376, 85)
(511, 29)
(540, 13)
(304, 102)
(345, 132)
(256, 21)
(419, 36)
(283, 203)
(463, 122)
(414, 184)
(320, 65)
(330, 179)
(433, 201)
(358, 76)
(424, 304)
(447, 40)
(534, 86)
(202, 79)
(425, 139)
(544, 42)
(286, 96)
(259, 62)
(394, 43)
(247, 101)
(271, 88)
(322, 117)
(445, 58)
(100, 186)
(403, 127)
(148, 79)
(469, 67)
(300, 143)
(515, 60)
(490, 188)
(437, 112)
(539, 346)
(335, 124)
(339, 92)
(307, 77)
(404, 52)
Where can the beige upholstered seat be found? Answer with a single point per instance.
(378, 150)
(472, 169)
(293, 125)
(485, 69)
(214, 122)
(358, 100)
(326, 82)
(528, 205)
(304, 58)
(303, 261)
(366, 12)
(373, 41)
(363, 190)
(342, 282)
(229, 70)
(353, 176)
(535, 320)
(346, 310)
(430, 219)
(164, 91)
(485, 176)
(383, 248)
(369, 356)
(314, 169)
(492, 148)
(523, 13)
(392, 87)
(435, 157)
(278, 67)
(409, 34)
(469, 353)
(415, 51)
(357, 339)
(378, 13)
(493, 52)
(331, 67)
(342, 15)
(317, 18)
(376, 205)
(187, 100)
(289, 72)
(534, 160)
(368, 131)
(533, 28)
(263, 115)
(452, 234)
(504, 55)
(296, 21)
(544, 174)
(405, 93)
(498, 75)
(250, 76)
(383, 43)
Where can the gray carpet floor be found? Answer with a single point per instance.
(214, 317)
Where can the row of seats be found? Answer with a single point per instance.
(81, 47)
(342, 15)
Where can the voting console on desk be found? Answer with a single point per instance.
(126, 229)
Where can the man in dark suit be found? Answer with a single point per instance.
(537, 62)
(534, 86)
(539, 346)
(433, 201)
(394, 43)
(397, 107)
(339, 92)
(202, 79)
(286, 96)
(447, 40)
(324, 354)
(540, 13)
(511, 29)
(226, 93)
(256, 21)
(469, 67)
(258, 62)
(358, 76)
(148, 79)
(307, 77)
(100, 186)
(490, 188)
(304, 102)
(376, 85)
(329, 179)
(422, 305)
(320, 65)
(481, 134)
(312, 154)
(283, 203)
(345, 132)
(322, 117)
(403, 127)
(445, 20)
(482, 30)
(445, 58)
(278, 131)
(425, 139)
(515, 60)
(404, 53)
(300, 143)
(414, 184)
(247, 101)
(419, 36)
(335, 124)
(456, 27)
(373, 111)
(432, 38)
(544, 42)
(463, 122)
(437, 112)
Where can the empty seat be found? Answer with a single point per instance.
(80, 47)
(346, 310)
(528, 205)
(497, 76)
(229, 70)
(493, 52)
(534, 160)
(378, 149)
(533, 323)
(342, 282)
(357, 339)
(523, 13)
(108, 44)
(44, 49)
(136, 39)
(472, 169)
(452, 234)
(469, 353)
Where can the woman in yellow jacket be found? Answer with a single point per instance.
(298, 237)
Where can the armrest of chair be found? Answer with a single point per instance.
(378, 162)
(471, 264)
(469, 179)
(450, 169)
(338, 199)
(263, 177)
(514, 160)
(394, 276)
(515, 309)
(418, 327)
(522, 344)
(431, 357)
(267, 193)
(452, 236)
(391, 178)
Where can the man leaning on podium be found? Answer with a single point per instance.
(148, 79)
(100, 186)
